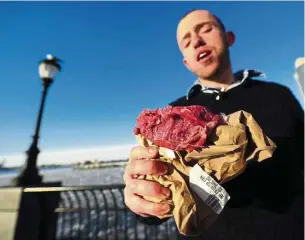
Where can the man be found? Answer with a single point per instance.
(267, 199)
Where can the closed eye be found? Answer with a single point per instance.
(207, 30)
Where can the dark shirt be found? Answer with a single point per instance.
(267, 200)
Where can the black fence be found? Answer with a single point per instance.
(99, 212)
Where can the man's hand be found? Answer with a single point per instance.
(140, 164)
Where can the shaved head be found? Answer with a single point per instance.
(201, 32)
(217, 18)
(202, 13)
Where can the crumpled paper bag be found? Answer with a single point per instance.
(235, 144)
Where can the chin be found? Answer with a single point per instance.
(207, 74)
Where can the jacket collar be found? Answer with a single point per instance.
(240, 77)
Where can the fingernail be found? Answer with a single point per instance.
(152, 150)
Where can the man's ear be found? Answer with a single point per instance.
(185, 64)
(230, 38)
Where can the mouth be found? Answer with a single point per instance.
(204, 55)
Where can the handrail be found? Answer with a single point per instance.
(99, 212)
(74, 188)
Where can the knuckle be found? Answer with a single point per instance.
(127, 168)
(161, 209)
(128, 200)
(135, 152)
(138, 167)
(141, 187)
(134, 167)
(129, 185)
(131, 165)
(156, 209)
(126, 193)
(134, 149)
(125, 176)
(127, 173)
(132, 184)
(126, 196)
(132, 153)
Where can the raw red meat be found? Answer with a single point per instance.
(177, 128)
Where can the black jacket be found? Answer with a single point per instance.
(267, 199)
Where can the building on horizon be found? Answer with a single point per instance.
(299, 74)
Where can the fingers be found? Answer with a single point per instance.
(140, 164)
(148, 188)
(145, 167)
(140, 152)
(143, 207)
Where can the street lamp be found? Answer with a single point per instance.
(48, 69)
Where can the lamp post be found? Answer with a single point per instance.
(48, 68)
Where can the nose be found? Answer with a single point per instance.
(198, 41)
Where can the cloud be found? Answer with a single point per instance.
(73, 155)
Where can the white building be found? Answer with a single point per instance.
(299, 74)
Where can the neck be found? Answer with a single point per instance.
(222, 80)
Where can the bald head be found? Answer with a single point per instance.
(217, 18)
(197, 15)
(200, 31)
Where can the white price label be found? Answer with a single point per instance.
(214, 195)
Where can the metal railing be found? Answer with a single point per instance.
(99, 212)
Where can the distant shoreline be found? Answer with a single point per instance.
(80, 166)
(14, 170)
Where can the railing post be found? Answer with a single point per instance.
(37, 219)
(48, 220)
(28, 221)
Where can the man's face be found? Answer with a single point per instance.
(204, 44)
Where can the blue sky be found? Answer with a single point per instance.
(121, 57)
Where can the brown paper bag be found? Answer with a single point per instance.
(235, 144)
